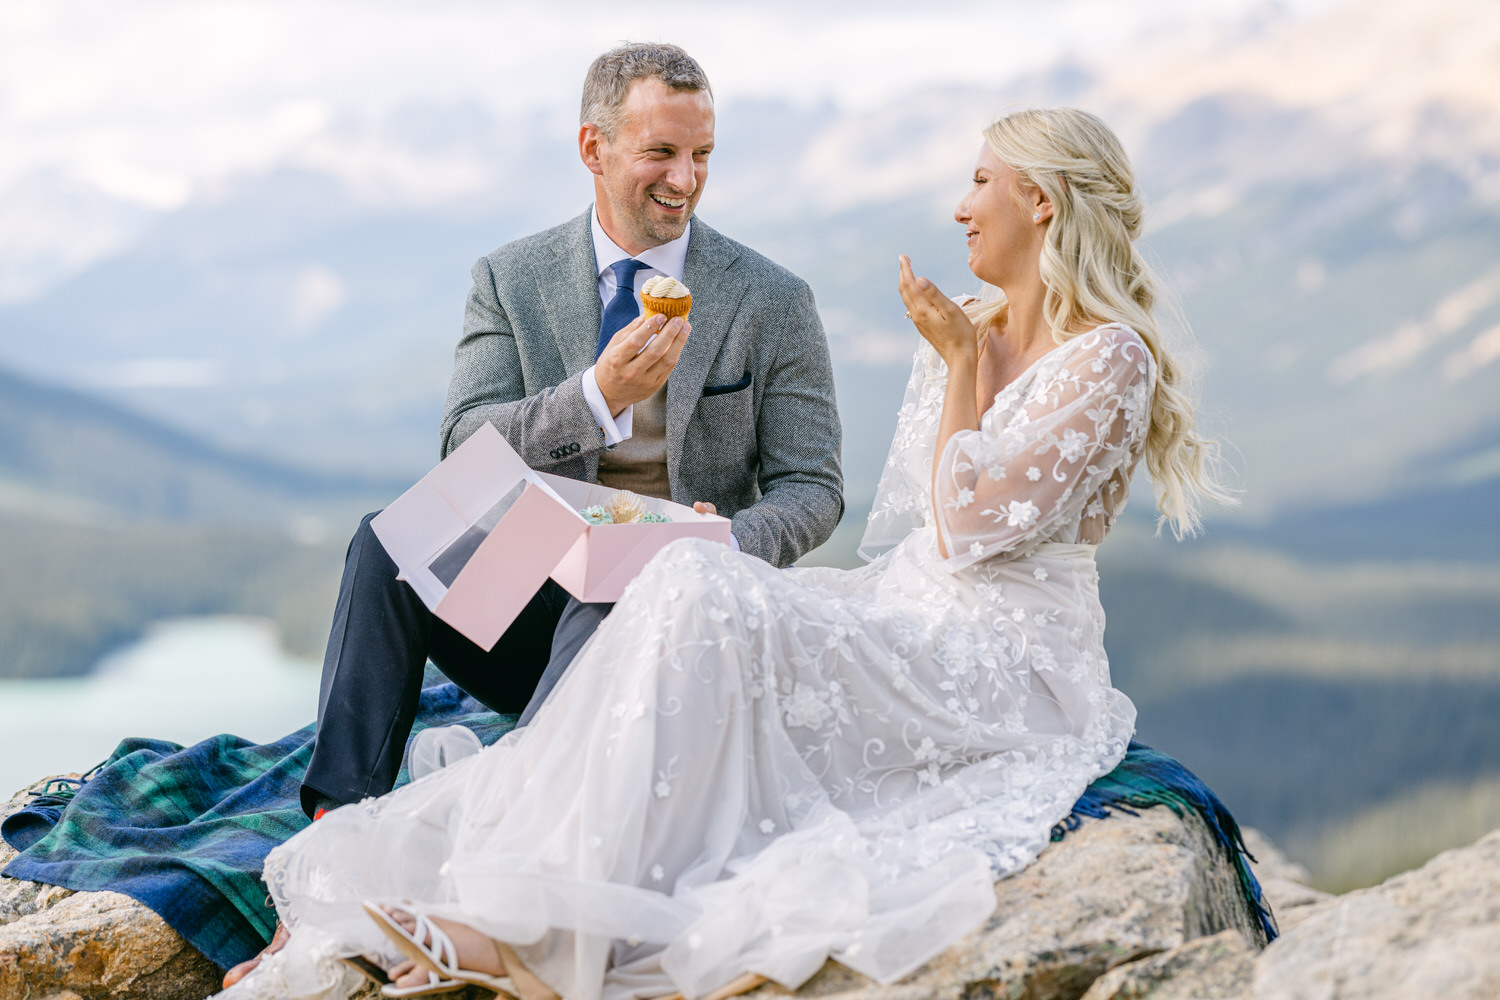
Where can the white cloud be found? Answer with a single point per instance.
(52, 226)
(853, 339)
(318, 291)
(1482, 350)
(145, 97)
(130, 182)
(1411, 340)
(159, 373)
(154, 104)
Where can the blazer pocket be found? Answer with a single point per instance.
(719, 390)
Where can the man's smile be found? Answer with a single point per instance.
(665, 202)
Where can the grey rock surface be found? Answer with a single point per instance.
(100, 945)
(90, 945)
(1270, 862)
(1112, 892)
(1429, 933)
(1218, 967)
(1284, 881)
(19, 899)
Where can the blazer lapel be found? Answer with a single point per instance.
(569, 285)
(716, 292)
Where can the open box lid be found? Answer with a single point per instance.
(478, 536)
(457, 536)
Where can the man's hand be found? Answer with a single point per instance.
(704, 507)
(630, 369)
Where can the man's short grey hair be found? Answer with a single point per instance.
(609, 79)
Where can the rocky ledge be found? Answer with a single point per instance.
(86, 945)
(1127, 908)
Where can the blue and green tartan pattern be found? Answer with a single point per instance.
(1146, 778)
(185, 830)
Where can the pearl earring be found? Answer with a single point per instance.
(1036, 216)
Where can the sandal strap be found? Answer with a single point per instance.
(432, 937)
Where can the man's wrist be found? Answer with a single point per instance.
(616, 426)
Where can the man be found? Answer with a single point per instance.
(733, 411)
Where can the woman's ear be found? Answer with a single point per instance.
(1041, 206)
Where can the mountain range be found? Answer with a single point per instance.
(1334, 247)
(1248, 654)
(193, 421)
(72, 456)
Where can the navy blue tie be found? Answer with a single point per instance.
(623, 307)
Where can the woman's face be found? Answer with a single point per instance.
(1004, 239)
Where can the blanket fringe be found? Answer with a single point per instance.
(1147, 778)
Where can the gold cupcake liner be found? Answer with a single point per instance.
(667, 307)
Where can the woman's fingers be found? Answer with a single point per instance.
(918, 293)
(937, 318)
(906, 282)
(401, 974)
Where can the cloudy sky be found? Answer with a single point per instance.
(158, 151)
(111, 113)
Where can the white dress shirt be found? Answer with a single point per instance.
(670, 259)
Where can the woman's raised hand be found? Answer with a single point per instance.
(938, 318)
(952, 335)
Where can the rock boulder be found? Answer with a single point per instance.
(61, 945)
(1432, 932)
(1283, 881)
(1113, 893)
(1217, 967)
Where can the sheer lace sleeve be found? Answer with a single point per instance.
(903, 500)
(1032, 468)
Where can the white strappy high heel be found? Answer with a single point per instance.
(432, 949)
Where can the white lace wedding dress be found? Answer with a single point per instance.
(751, 769)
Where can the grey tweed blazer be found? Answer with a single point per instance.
(752, 425)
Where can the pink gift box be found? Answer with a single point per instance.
(478, 535)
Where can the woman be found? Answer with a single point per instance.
(748, 771)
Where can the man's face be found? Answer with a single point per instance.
(649, 177)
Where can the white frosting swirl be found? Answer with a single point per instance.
(664, 286)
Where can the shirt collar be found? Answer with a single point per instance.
(669, 258)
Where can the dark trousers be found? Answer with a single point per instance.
(383, 636)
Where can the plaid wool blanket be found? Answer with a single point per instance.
(185, 830)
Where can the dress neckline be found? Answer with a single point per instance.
(1026, 374)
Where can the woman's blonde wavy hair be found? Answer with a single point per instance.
(1093, 274)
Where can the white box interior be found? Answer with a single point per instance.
(579, 495)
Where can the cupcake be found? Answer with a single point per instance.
(625, 508)
(596, 515)
(666, 295)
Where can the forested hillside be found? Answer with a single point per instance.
(110, 521)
